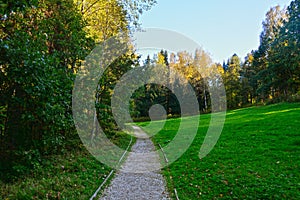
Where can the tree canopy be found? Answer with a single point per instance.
(43, 44)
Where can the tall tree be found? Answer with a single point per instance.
(106, 19)
(275, 18)
(232, 81)
(249, 84)
(41, 46)
(284, 62)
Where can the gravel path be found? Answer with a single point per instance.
(139, 177)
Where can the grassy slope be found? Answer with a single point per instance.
(256, 157)
(74, 175)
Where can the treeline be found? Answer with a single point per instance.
(272, 72)
(179, 71)
(269, 74)
(43, 44)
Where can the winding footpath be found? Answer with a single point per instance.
(139, 177)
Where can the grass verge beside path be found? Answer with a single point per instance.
(73, 175)
(256, 157)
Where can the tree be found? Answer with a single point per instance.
(104, 20)
(275, 19)
(285, 58)
(147, 61)
(204, 65)
(249, 85)
(41, 46)
(163, 60)
(232, 81)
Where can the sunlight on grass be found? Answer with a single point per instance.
(257, 156)
(281, 111)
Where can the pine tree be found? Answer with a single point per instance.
(232, 82)
(275, 19)
(285, 57)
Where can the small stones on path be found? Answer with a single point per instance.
(139, 177)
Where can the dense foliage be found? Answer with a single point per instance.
(42, 45)
(267, 75)
(275, 65)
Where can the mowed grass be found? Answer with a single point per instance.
(256, 157)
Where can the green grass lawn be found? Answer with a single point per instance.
(76, 174)
(257, 156)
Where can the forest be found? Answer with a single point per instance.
(43, 44)
(269, 74)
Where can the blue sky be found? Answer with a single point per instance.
(221, 27)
